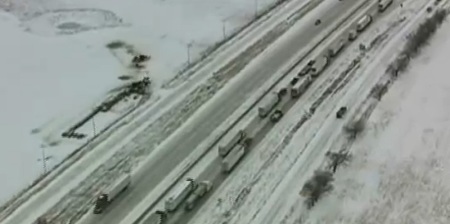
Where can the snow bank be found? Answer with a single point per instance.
(399, 170)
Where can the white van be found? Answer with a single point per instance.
(363, 23)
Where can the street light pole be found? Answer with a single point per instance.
(189, 45)
(44, 160)
(223, 30)
(93, 126)
(256, 8)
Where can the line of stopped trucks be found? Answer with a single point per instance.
(190, 190)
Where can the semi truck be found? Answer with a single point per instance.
(363, 23)
(180, 194)
(202, 188)
(319, 66)
(383, 4)
(236, 154)
(300, 87)
(224, 150)
(109, 194)
(268, 104)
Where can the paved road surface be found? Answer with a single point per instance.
(213, 172)
(183, 144)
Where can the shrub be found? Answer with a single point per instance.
(420, 38)
(354, 128)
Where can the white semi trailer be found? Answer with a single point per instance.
(236, 154)
(319, 66)
(363, 23)
(224, 150)
(300, 87)
(203, 188)
(109, 194)
(336, 47)
(383, 4)
(268, 104)
(180, 194)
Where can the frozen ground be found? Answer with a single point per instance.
(61, 75)
(241, 198)
(399, 173)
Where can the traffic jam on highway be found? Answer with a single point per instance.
(187, 193)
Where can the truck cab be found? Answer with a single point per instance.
(305, 70)
(101, 203)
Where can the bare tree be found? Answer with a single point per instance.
(336, 159)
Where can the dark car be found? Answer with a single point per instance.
(318, 22)
(341, 112)
(282, 92)
(276, 116)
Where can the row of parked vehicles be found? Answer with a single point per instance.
(314, 68)
(235, 149)
(232, 152)
(188, 192)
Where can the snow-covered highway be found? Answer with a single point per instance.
(251, 191)
(212, 115)
(177, 136)
(43, 200)
(251, 123)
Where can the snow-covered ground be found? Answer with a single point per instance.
(243, 195)
(399, 172)
(64, 71)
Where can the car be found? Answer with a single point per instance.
(352, 35)
(294, 81)
(318, 22)
(276, 116)
(341, 112)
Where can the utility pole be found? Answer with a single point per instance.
(223, 29)
(93, 126)
(189, 45)
(44, 159)
(256, 8)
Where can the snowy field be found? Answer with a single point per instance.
(399, 173)
(65, 70)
